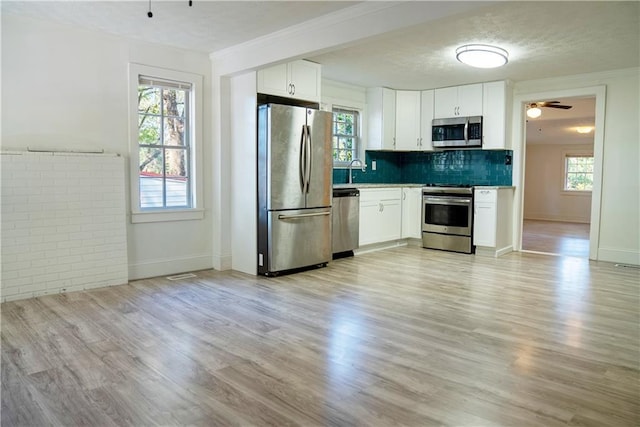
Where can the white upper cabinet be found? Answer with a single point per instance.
(407, 120)
(426, 119)
(399, 120)
(496, 116)
(381, 118)
(457, 101)
(297, 79)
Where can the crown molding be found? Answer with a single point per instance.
(588, 79)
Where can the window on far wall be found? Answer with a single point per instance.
(345, 136)
(578, 172)
(164, 148)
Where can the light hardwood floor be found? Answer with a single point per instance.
(554, 237)
(406, 336)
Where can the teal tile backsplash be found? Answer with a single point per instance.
(471, 167)
(388, 170)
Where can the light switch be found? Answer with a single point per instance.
(374, 165)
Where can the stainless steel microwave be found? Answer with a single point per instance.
(457, 132)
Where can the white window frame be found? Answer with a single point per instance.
(357, 136)
(328, 104)
(196, 211)
(565, 157)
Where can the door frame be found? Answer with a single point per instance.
(519, 154)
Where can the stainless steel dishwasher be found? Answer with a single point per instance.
(346, 221)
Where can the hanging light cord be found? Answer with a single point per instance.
(150, 14)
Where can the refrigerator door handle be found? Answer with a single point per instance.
(299, 216)
(308, 155)
(303, 159)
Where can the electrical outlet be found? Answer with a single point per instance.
(374, 165)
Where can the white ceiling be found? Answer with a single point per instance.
(544, 39)
(559, 126)
(207, 26)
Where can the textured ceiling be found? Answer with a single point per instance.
(207, 26)
(544, 39)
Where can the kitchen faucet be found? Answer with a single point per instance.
(363, 168)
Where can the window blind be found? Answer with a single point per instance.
(169, 84)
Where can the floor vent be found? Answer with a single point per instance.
(628, 265)
(182, 276)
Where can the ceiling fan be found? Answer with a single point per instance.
(533, 108)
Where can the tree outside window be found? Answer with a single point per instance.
(163, 144)
(345, 136)
(578, 173)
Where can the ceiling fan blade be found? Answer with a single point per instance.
(564, 107)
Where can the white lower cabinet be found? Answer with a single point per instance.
(380, 215)
(492, 225)
(411, 212)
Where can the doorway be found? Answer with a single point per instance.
(559, 169)
(521, 101)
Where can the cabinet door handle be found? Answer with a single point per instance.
(394, 142)
(293, 89)
(380, 207)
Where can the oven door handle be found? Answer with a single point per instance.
(457, 201)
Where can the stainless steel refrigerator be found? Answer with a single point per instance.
(294, 188)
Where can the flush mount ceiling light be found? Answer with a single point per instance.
(482, 55)
(584, 129)
(533, 112)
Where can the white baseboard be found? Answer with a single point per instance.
(222, 262)
(541, 217)
(163, 267)
(504, 250)
(620, 256)
(379, 246)
(493, 252)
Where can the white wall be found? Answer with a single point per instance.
(244, 153)
(66, 88)
(544, 197)
(619, 210)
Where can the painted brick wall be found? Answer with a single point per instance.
(63, 224)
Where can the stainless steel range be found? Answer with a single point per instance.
(447, 218)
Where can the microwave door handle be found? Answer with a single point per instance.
(466, 130)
